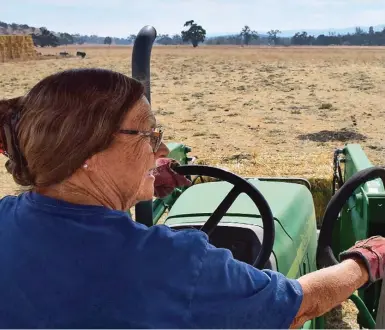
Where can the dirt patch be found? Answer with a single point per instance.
(343, 135)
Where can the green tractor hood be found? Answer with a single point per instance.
(292, 208)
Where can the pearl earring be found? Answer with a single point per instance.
(85, 165)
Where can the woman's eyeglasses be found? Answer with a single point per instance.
(155, 136)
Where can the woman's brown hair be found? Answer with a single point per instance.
(62, 121)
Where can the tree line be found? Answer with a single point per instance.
(42, 37)
(358, 38)
(249, 37)
(195, 34)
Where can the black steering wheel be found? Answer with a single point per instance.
(240, 186)
(325, 255)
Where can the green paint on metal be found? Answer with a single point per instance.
(367, 320)
(295, 222)
(365, 207)
(307, 244)
(178, 151)
(293, 211)
(361, 217)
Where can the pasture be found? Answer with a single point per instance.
(257, 111)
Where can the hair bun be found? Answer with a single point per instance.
(9, 144)
(20, 175)
(7, 107)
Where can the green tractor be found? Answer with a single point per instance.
(270, 223)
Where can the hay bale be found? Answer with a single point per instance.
(16, 47)
(316, 167)
(321, 189)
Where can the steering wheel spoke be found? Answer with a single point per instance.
(222, 208)
(240, 186)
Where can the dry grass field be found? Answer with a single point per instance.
(257, 111)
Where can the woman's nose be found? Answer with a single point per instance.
(162, 152)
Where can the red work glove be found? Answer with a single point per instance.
(372, 252)
(166, 179)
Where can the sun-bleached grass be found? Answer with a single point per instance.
(16, 47)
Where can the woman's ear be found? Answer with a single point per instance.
(94, 162)
(90, 163)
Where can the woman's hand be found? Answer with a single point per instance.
(166, 179)
(371, 252)
(325, 289)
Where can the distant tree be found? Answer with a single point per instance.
(14, 26)
(234, 39)
(225, 40)
(272, 36)
(371, 36)
(302, 38)
(327, 40)
(132, 37)
(164, 39)
(3, 24)
(45, 38)
(195, 34)
(177, 39)
(359, 31)
(51, 39)
(78, 39)
(108, 41)
(359, 37)
(248, 35)
(122, 41)
(66, 39)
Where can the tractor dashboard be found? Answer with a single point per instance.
(241, 230)
(243, 241)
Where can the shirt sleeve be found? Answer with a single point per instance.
(233, 294)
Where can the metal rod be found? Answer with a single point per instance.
(141, 57)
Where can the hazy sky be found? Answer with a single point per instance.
(121, 18)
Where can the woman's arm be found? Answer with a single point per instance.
(325, 289)
(329, 287)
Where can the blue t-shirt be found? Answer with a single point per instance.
(75, 266)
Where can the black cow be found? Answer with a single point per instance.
(81, 54)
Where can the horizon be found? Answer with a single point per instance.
(116, 18)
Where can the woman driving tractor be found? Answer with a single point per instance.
(85, 145)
